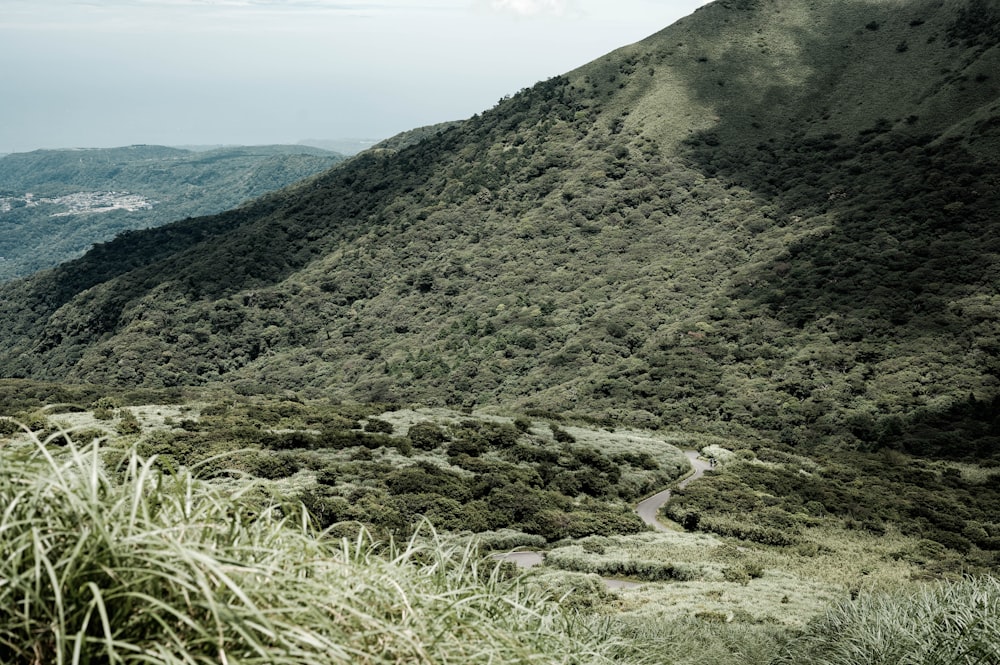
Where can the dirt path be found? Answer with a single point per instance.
(649, 509)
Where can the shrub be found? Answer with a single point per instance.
(576, 558)
(378, 426)
(509, 539)
(523, 424)
(273, 466)
(561, 435)
(500, 435)
(428, 478)
(737, 575)
(426, 436)
(473, 447)
(8, 427)
(104, 408)
(127, 423)
(748, 531)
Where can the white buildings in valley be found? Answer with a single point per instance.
(79, 203)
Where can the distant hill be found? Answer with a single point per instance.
(343, 146)
(55, 204)
(771, 219)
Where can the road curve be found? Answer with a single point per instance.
(649, 509)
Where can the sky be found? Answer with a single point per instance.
(104, 73)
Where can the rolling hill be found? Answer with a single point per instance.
(771, 219)
(55, 204)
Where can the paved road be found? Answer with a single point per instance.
(649, 509)
(522, 559)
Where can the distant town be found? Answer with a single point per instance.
(80, 203)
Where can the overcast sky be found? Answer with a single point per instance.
(102, 73)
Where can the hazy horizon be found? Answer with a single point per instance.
(107, 73)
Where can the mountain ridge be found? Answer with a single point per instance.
(769, 219)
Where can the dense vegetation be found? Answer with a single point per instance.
(772, 539)
(773, 498)
(387, 468)
(652, 238)
(767, 232)
(55, 204)
(461, 473)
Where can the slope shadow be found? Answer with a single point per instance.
(893, 241)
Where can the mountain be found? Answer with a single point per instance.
(771, 219)
(55, 204)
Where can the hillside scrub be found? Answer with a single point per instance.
(767, 232)
(157, 531)
(773, 498)
(462, 473)
(482, 473)
(655, 238)
(128, 564)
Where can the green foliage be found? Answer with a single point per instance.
(426, 436)
(378, 426)
(746, 260)
(743, 573)
(171, 571)
(492, 476)
(575, 558)
(775, 502)
(561, 435)
(8, 426)
(655, 239)
(127, 422)
(104, 408)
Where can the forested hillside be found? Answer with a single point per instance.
(773, 219)
(55, 204)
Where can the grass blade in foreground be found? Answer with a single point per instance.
(137, 566)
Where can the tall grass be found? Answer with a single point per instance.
(947, 623)
(693, 641)
(133, 565)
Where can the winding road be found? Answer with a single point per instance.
(649, 509)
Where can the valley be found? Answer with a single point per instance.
(80, 203)
(56, 204)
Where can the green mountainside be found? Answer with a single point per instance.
(772, 219)
(751, 260)
(55, 204)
